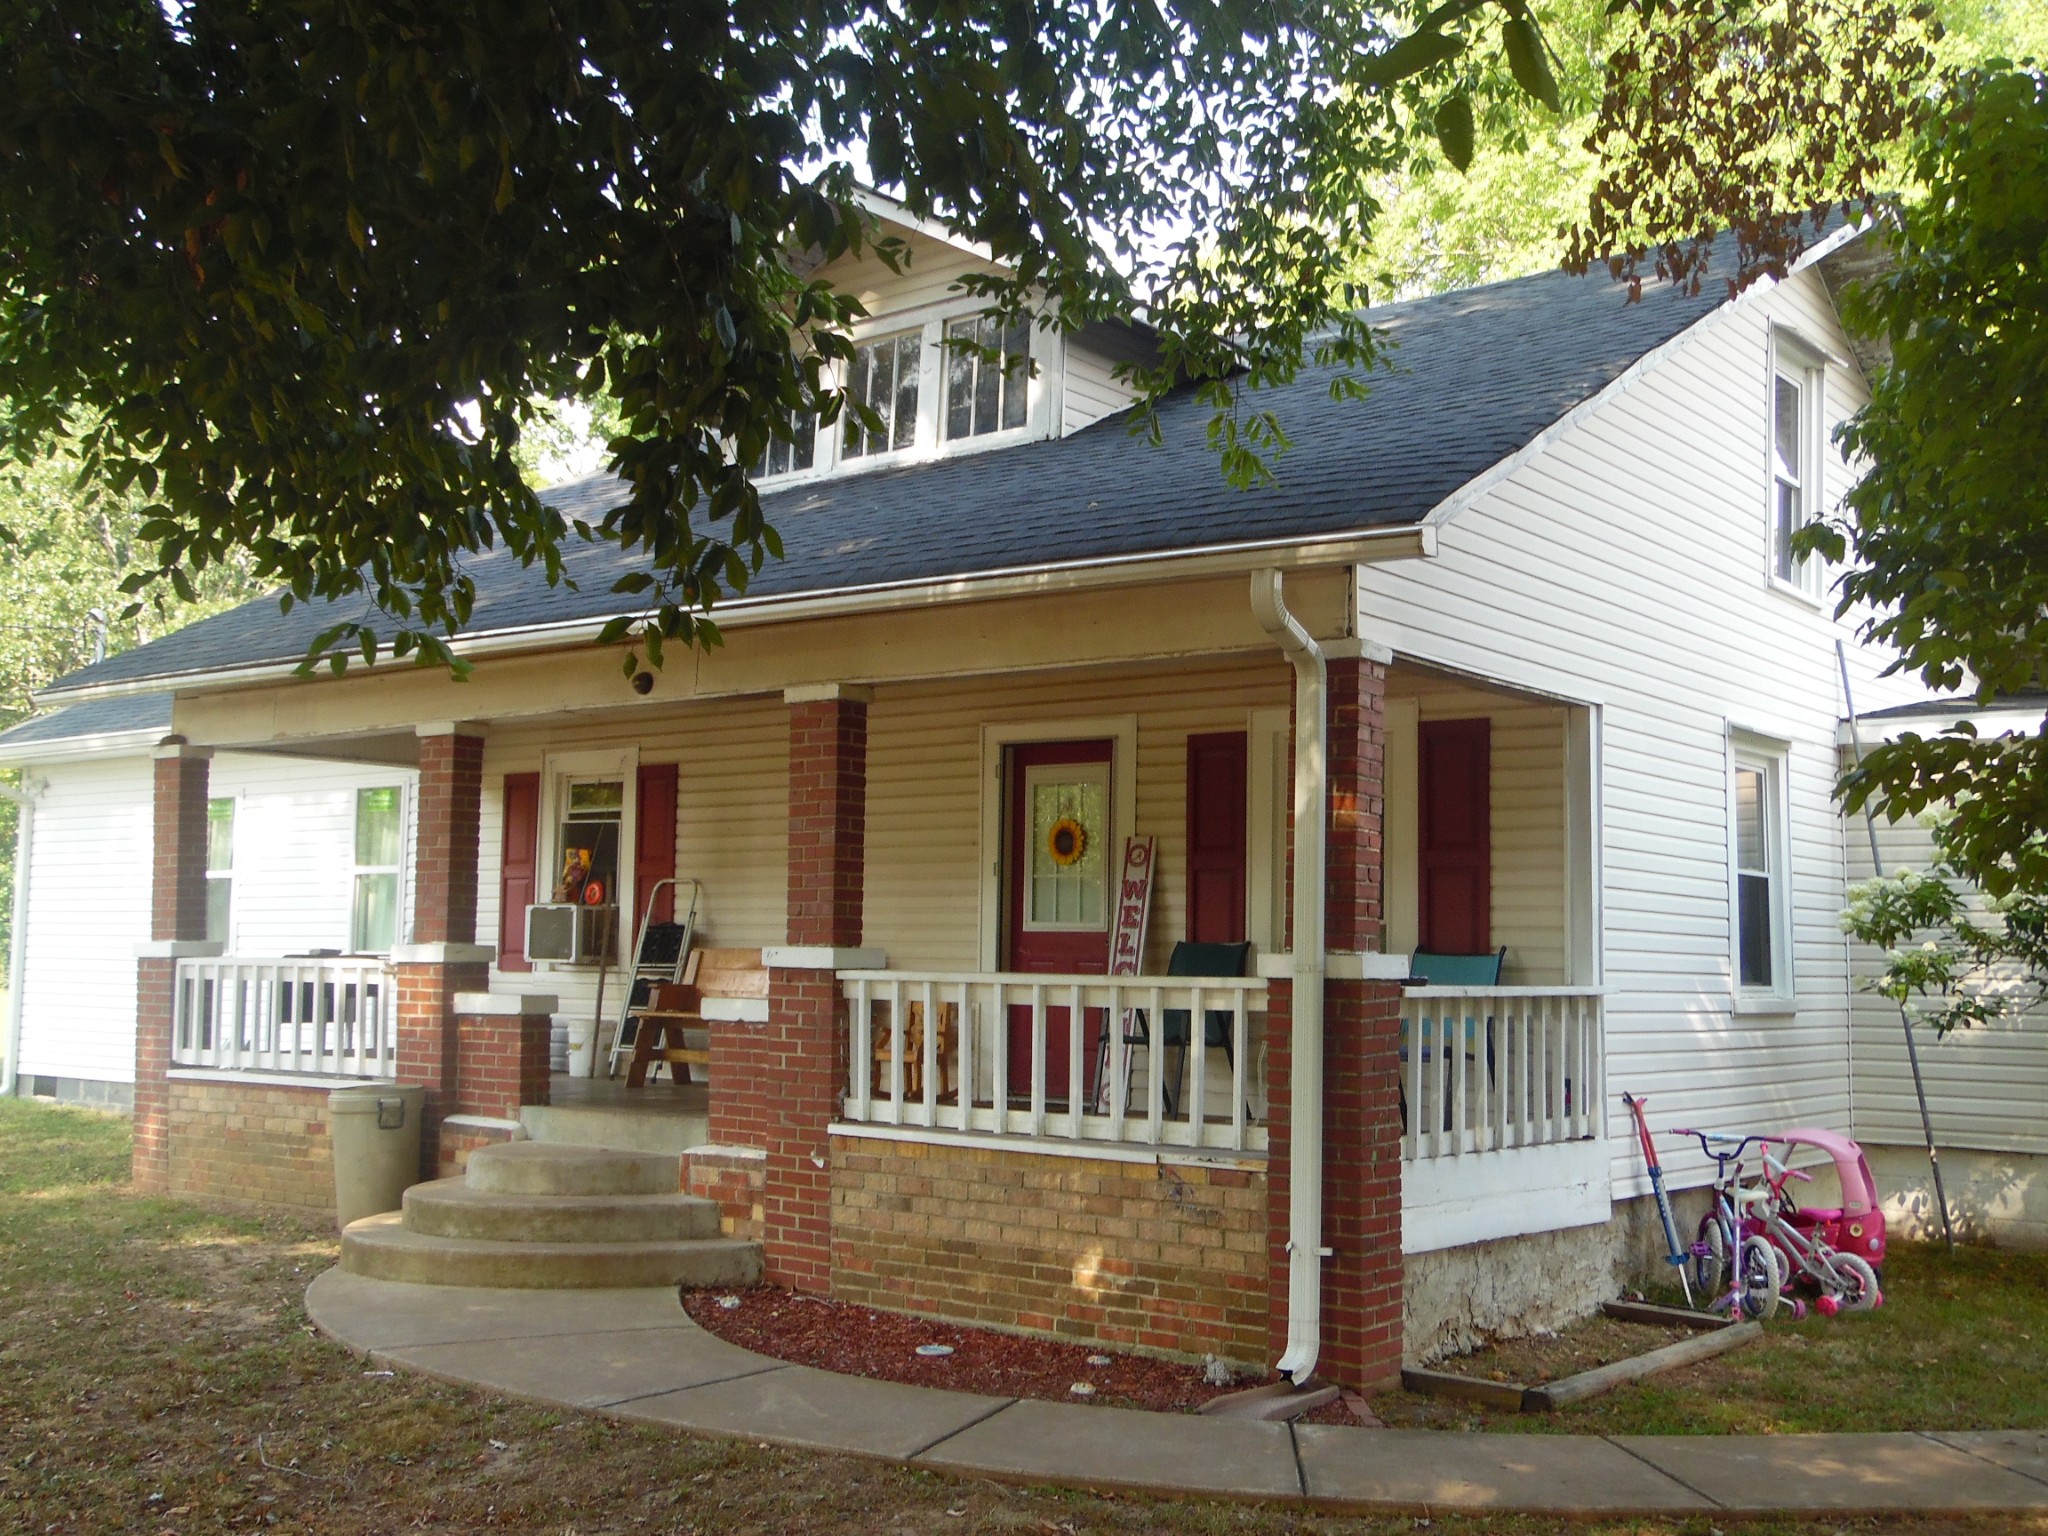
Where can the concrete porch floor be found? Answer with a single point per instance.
(604, 1112)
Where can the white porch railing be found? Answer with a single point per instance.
(1122, 1080)
(1491, 1069)
(304, 1018)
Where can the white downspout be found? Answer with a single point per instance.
(17, 949)
(1305, 1249)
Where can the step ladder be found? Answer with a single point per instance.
(661, 956)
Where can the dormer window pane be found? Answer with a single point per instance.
(984, 394)
(800, 452)
(884, 379)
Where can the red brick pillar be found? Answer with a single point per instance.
(177, 926)
(443, 958)
(1362, 1279)
(501, 1055)
(802, 1049)
(1362, 1273)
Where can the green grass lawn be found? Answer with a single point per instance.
(158, 1375)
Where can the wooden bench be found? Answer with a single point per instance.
(673, 1009)
(944, 1049)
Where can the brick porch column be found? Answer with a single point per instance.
(1362, 1275)
(802, 1048)
(177, 927)
(443, 958)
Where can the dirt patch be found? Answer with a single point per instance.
(883, 1346)
(1548, 1357)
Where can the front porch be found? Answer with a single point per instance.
(939, 1077)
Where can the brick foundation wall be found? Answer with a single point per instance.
(251, 1144)
(1161, 1258)
(736, 1179)
(150, 1162)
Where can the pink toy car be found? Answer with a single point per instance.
(1857, 1225)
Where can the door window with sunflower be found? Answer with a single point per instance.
(1067, 837)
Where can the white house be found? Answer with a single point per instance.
(304, 857)
(1521, 635)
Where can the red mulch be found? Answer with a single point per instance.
(859, 1341)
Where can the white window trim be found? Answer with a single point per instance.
(1806, 365)
(232, 874)
(557, 770)
(1269, 787)
(402, 923)
(1120, 730)
(1047, 361)
(1751, 749)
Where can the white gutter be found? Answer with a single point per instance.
(17, 949)
(1305, 1251)
(1367, 545)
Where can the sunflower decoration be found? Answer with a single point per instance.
(1066, 841)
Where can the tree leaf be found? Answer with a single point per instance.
(1455, 130)
(1529, 60)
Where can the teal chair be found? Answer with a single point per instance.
(1436, 969)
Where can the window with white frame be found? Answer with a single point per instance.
(988, 376)
(884, 377)
(791, 455)
(1798, 389)
(374, 890)
(220, 868)
(1759, 871)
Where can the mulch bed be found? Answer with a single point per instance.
(882, 1346)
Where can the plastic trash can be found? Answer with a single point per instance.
(375, 1130)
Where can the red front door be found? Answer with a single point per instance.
(1059, 853)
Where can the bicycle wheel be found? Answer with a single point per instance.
(1861, 1294)
(1763, 1278)
(1710, 1261)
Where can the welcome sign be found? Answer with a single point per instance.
(1133, 908)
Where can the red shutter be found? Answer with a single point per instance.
(517, 858)
(1216, 838)
(654, 841)
(1456, 836)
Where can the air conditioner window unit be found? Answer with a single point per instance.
(569, 932)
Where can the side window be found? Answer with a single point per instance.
(1760, 873)
(987, 393)
(1798, 390)
(374, 899)
(884, 378)
(220, 869)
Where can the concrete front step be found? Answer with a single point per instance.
(553, 1168)
(456, 1208)
(381, 1248)
(634, 1130)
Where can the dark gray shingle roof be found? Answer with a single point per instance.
(94, 717)
(1475, 375)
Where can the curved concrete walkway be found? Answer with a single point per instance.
(637, 1355)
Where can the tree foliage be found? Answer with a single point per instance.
(1946, 536)
(305, 268)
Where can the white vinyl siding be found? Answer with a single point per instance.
(90, 881)
(1619, 568)
(1090, 388)
(1986, 1087)
(88, 909)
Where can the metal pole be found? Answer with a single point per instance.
(1948, 1233)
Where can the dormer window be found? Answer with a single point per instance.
(987, 391)
(884, 378)
(799, 452)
